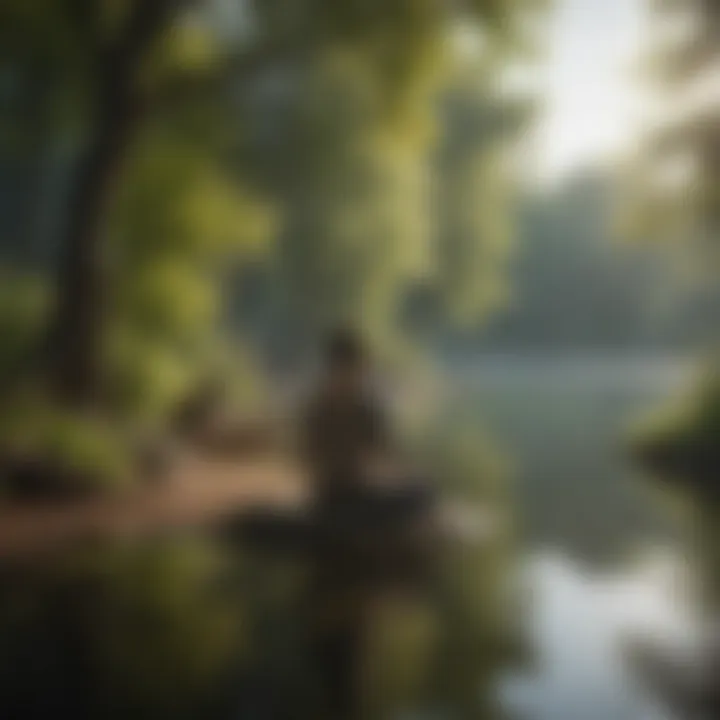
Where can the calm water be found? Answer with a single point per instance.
(580, 625)
(581, 511)
(561, 423)
(206, 626)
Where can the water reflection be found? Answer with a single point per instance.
(223, 625)
(382, 626)
(217, 628)
(581, 624)
(138, 630)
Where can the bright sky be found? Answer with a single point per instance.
(586, 83)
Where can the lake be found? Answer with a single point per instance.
(599, 565)
(532, 625)
(562, 422)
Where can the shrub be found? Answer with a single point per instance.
(47, 451)
(22, 311)
(680, 443)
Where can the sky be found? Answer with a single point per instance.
(586, 80)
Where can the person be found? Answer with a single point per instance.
(345, 430)
(358, 473)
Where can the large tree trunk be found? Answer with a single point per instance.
(76, 333)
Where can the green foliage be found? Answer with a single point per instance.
(141, 630)
(680, 445)
(22, 313)
(672, 191)
(180, 228)
(188, 628)
(78, 454)
(565, 266)
(696, 416)
(680, 442)
(476, 197)
(346, 164)
(352, 164)
(53, 50)
(351, 192)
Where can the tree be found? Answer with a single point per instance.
(673, 189)
(345, 138)
(100, 57)
(475, 195)
(101, 60)
(181, 227)
(679, 201)
(109, 69)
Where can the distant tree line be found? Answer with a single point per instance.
(576, 285)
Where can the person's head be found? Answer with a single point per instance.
(345, 360)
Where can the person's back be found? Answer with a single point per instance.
(344, 427)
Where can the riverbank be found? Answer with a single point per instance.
(198, 491)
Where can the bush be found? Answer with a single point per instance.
(22, 311)
(681, 443)
(47, 451)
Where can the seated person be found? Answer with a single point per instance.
(350, 456)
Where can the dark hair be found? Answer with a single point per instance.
(344, 347)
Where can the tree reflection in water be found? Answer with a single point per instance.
(219, 628)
